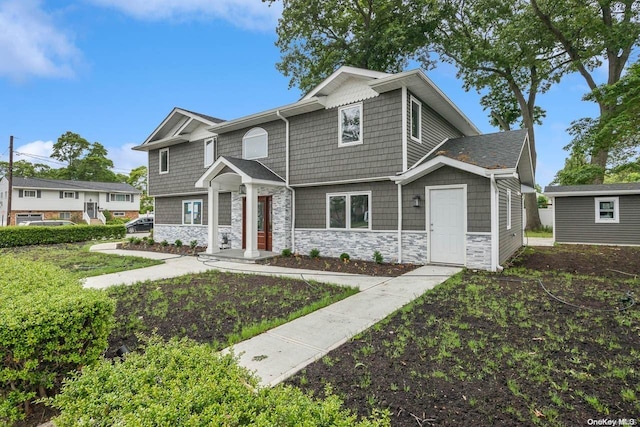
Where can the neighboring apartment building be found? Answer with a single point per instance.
(365, 162)
(37, 199)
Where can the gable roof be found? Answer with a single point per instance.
(245, 171)
(176, 128)
(500, 154)
(58, 184)
(500, 150)
(415, 81)
(593, 190)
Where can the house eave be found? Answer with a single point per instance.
(603, 193)
(441, 161)
(162, 143)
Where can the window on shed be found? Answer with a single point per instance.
(416, 120)
(255, 144)
(164, 160)
(607, 210)
(209, 151)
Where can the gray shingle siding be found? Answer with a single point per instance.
(435, 129)
(186, 165)
(316, 157)
(230, 144)
(478, 199)
(311, 204)
(168, 210)
(575, 221)
(510, 240)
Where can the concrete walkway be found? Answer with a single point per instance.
(281, 352)
(538, 241)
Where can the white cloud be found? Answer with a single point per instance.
(31, 44)
(124, 158)
(249, 14)
(37, 152)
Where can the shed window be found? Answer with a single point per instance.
(607, 210)
(255, 144)
(164, 160)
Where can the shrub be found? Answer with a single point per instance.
(344, 257)
(28, 235)
(150, 241)
(49, 327)
(178, 243)
(193, 244)
(286, 252)
(182, 383)
(315, 253)
(164, 243)
(377, 257)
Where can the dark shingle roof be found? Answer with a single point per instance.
(500, 150)
(254, 169)
(58, 184)
(204, 116)
(594, 188)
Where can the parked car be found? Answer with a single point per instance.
(48, 223)
(139, 224)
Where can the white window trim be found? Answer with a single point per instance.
(257, 129)
(213, 142)
(72, 193)
(35, 194)
(508, 209)
(163, 150)
(414, 100)
(201, 213)
(64, 215)
(113, 197)
(616, 210)
(358, 142)
(118, 214)
(347, 196)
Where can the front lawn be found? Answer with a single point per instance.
(214, 307)
(486, 349)
(77, 259)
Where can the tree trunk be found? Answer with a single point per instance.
(533, 216)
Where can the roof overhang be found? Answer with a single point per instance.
(300, 107)
(422, 86)
(603, 192)
(161, 143)
(525, 164)
(441, 161)
(230, 181)
(340, 76)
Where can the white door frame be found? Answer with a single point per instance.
(427, 191)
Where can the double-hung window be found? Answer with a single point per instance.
(607, 210)
(416, 120)
(192, 212)
(164, 160)
(209, 151)
(350, 125)
(349, 211)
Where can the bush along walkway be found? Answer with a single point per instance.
(279, 353)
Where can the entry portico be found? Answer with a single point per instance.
(246, 179)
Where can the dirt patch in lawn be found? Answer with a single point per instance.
(602, 261)
(368, 268)
(486, 349)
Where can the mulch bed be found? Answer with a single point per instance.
(368, 268)
(157, 247)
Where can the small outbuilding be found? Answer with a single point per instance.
(607, 214)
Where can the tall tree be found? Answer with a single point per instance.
(590, 33)
(498, 47)
(315, 37)
(69, 147)
(27, 169)
(138, 178)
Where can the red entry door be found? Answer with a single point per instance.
(264, 222)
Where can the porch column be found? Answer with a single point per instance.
(212, 219)
(251, 237)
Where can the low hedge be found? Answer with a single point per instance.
(28, 235)
(180, 383)
(49, 327)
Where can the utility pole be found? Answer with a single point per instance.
(10, 180)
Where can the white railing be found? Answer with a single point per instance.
(102, 218)
(86, 218)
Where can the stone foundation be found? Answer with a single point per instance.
(358, 244)
(479, 251)
(414, 247)
(187, 233)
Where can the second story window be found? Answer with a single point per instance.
(164, 160)
(209, 151)
(416, 120)
(69, 195)
(350, 125)
(120, 197)
(30, 194)
(255, 144)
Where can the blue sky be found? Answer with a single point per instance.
(111, 70)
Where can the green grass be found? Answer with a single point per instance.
(78, 260)
(545, 232)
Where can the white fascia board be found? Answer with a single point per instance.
(351, 71)
(173, 112)
(527, 145)
(215, 169)
(436, 163)
(603, 193)
(422, 159)
(255, 181)
(162, 143)
(268, 115)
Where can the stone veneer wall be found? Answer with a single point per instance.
(414, 247)
(358, 244)
(187, 233)
(479, 251)
(281, 218)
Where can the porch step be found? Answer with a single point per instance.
(95, 221)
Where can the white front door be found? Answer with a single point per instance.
(446, 225)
